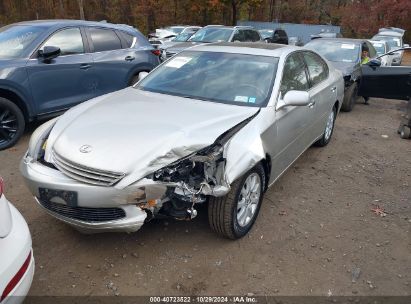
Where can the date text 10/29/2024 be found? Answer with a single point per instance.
(203, 299)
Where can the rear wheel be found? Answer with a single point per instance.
(405, 132)
(233, 215)
(329, 129)
(11, 123)
(350, 98)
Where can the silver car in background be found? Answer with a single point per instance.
(217, 123)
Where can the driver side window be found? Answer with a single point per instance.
(68, 40)
(294, 75)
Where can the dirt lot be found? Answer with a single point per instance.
(314, 233)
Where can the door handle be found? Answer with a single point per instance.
(85, 66)
(129, 58)
(311, 104)
(333, 89)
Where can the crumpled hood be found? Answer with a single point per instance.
(136, 132)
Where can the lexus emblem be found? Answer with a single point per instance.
(86, 149)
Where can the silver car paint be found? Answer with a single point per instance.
(174, 127)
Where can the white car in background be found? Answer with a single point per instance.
(382, 48)
(16, 253)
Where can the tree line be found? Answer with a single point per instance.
(358, 18)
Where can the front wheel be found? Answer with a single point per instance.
(350, 98)
(328, 130)
(233, 215)
(405, 132)
(11, 123)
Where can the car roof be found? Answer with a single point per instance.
(51, 23)
(252, 48)
(346, 40)
(243, 27)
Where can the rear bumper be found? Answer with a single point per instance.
(15, 248)
(22, 289)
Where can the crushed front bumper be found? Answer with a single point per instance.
(87, 215)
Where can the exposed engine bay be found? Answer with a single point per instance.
(191, 180)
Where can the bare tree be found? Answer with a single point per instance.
(81, 7)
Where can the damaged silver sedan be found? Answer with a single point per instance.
(215, 124)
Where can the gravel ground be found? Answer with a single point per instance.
(316, 233)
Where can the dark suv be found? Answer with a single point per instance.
(49, 66)
(274, 36)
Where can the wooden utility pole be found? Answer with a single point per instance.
(81, 7)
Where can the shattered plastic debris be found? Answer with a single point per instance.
(355, 274)
(282, 212)
(379, 211)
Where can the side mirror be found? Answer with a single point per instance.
(374, 63)
(49, 52)
(294, 98)
(142, 75)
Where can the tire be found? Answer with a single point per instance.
(224, 212)
(133, 80)
(328, 130)
(12, 123)
(405, 132)
(350, 98)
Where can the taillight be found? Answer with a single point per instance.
(156, 52)
(1, 187)
(16, 279)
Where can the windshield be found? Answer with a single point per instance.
(14, 40)
(336, 51)
(183, 36)
(379, 47)
(266, 33)
(213, 34)
(219, 77)
(393, 42)
(175, 29)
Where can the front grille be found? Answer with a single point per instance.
(85, 213)
(169, 54)
(86, 174)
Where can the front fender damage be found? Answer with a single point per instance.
(174, 189)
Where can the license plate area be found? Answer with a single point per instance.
(58, 196)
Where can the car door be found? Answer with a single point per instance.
(292, 122)
(322, 92)
(393, 82)
(111, 62)
(64, 81)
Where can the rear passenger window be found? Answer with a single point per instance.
(317, 68)
(104, 40)
(68, 40)
(129, 39)
(254, 36)
(294, 75)
(239, 36)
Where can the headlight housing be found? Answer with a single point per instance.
(190, 169)
(38, 139)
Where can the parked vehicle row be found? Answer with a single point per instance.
(214, 33)
(217, 123)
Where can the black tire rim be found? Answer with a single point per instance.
(8, 125)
